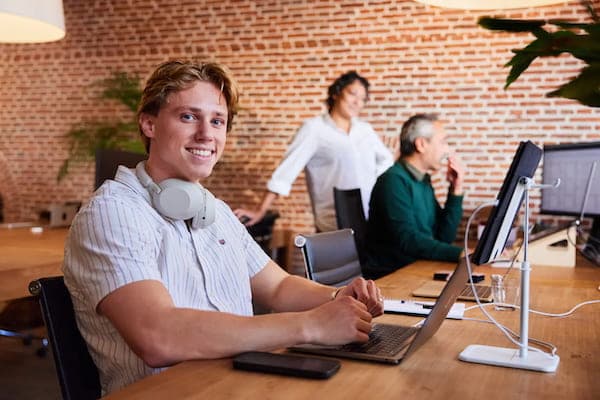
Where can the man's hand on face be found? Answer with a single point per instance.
(455, 175)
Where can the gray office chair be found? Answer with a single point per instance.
(330, 257)
(349, 213)
(77, 373)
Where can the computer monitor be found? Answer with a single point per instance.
(578, 167)
(108, 160)
(498, 226)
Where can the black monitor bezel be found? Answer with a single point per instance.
(524, 164)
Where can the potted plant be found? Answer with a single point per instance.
(581, 40)
(90, 136)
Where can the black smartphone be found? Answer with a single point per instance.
(287, 364)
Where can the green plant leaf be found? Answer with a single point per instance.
(123, 88)
(510, 25)
(568, 38)
(523, 58)
(63, 170)
(520, 62)
(584, 88)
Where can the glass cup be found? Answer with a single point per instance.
(505, 292)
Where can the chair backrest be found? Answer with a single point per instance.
(349, 213)
(77, 373)
(108, 160)
(330, 257)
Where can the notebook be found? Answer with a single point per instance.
(393, 343)
(433, 289)
(420, 308)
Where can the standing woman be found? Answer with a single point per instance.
(335, 149)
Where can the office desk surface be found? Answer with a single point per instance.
(434, 371)
(25, 256)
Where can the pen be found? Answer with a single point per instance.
(428, 306)
(424, 305)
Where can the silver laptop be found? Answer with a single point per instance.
(392, 343)
(433, 289)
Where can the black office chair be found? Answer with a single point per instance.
(108, 160)
(262, 231)
(330, 258)
(77, 373)
(349, 213)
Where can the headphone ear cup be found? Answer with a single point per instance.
(206, 215)
(179, 199)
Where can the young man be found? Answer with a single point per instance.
(336, 150)
(406, 221)
(152, 287)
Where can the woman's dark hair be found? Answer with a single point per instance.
(340, 83)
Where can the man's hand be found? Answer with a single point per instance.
(367, 293)
(338, 322)
(392, 143)
(455, 175)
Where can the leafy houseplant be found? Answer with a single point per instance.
(89, 136)
(582, 40)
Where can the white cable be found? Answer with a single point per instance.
(546, 314)
(502, 328)
(565, 314)
(516, 335)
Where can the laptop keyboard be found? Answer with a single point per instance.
(482, 291)
(384, 339)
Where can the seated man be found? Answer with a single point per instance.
(406, 222)
(161, 272)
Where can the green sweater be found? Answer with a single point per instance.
(406, 223)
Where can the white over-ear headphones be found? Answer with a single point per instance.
(178, 199)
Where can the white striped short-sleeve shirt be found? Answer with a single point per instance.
(119, 238)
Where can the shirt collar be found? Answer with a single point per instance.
(328, 120)
(418, 175)
(128, 177)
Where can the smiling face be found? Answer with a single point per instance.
(188, 134)
(350, 102)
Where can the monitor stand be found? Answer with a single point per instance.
(511, 358)
(508, 357)
(591, 250)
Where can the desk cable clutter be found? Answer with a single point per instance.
(537, 360)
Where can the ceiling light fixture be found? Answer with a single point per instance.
(31, 21)
(489, 4)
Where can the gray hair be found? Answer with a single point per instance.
(419, 125)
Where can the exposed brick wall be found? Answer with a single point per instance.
(285, 54)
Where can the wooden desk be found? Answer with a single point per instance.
(25, 256)
(434, 371)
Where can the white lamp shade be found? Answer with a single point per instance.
(31, 21)
(489, 4)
